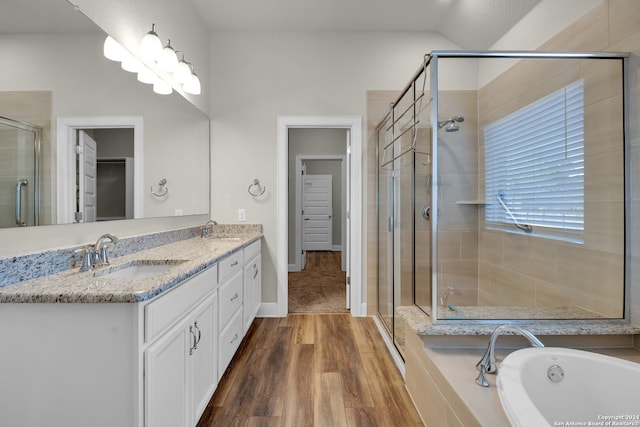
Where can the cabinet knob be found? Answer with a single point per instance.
(234, 297)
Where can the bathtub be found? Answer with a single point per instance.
(565, 387)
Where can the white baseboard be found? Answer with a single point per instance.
(268, 309)
(336, 248)
(392, 348)
(292, 267)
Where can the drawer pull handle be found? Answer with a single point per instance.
(233, 264)
(257, 271)
(193, 335)
(235, 337)
(234, 297)
(195, 325)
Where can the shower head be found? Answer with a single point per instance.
(451, 123)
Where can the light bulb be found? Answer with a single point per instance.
(161, 87)
(151, 46)
(130, 63)
(169, 60)
(112, 49)
(145, 75)
(192, 85)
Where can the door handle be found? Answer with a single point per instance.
(21, 183)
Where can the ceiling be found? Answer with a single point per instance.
(471, 24)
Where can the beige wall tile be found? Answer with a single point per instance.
(589, 33)
(624, 19)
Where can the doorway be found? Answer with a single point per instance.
(116, 161)
(286, 243)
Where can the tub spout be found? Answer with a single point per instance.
(487, 365)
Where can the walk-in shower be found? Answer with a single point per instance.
(19, 173)
(502, 189)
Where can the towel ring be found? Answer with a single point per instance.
(163, 190)
(256, 189)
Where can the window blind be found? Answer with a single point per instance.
(534, 162)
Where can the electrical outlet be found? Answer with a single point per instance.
(242, 215)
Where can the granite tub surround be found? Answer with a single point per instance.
(186, 257)
(421, 324)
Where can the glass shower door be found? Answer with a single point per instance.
(19, 186)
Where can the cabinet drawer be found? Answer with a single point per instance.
(229, 265)
(251, 251)
(230, 297)
(228, 342)
(167, 309)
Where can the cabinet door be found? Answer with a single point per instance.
(165, 380)
(252, 291)
(204, 357)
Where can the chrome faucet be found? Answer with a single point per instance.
(487, 365)
(100, 249)
(207, 228)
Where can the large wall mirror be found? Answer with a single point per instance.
(141, 155)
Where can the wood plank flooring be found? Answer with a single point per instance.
(311, 370)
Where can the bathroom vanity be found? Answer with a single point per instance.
(142, 342)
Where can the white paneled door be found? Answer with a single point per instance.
(87, 152)
(317, 206)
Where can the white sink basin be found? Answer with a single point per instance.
(138, 269)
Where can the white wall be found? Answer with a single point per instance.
(256, 77)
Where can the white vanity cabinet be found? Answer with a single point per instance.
(230, 309)
(180, 370)
(252, 286)
(153, 363)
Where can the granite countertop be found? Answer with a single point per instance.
(421, 324)
(190, 256)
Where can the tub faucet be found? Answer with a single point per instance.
(487, 365)
(207, 229)
(100, 248)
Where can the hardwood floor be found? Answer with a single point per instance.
(311, 370)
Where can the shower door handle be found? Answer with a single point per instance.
(21, 183)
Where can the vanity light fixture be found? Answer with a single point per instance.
(130, 63)
(113, 50)
(145, 75)
(192, 85)
(183, 70)
(169, 60)
(151, 46)
(161, 87)
(173, 71)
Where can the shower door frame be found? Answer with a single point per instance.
(435, 56)
(37, 150)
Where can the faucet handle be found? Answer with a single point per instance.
(480, 379)
(87, 253)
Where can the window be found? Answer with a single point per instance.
(534, 161)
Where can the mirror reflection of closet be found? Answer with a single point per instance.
(104, 179)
